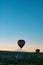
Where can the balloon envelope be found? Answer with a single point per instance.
(21, 43)
(37, 50)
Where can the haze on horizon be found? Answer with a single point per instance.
(21, 19)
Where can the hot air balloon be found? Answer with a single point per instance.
(37, 50)
(21, 43)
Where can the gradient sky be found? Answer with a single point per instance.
(21, 19)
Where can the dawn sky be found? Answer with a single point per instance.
(21, 19)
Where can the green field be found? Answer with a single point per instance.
(20, 58)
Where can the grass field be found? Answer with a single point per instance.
(20, 58)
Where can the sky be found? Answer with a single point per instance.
(21, 19)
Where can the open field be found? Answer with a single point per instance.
(20, 58)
